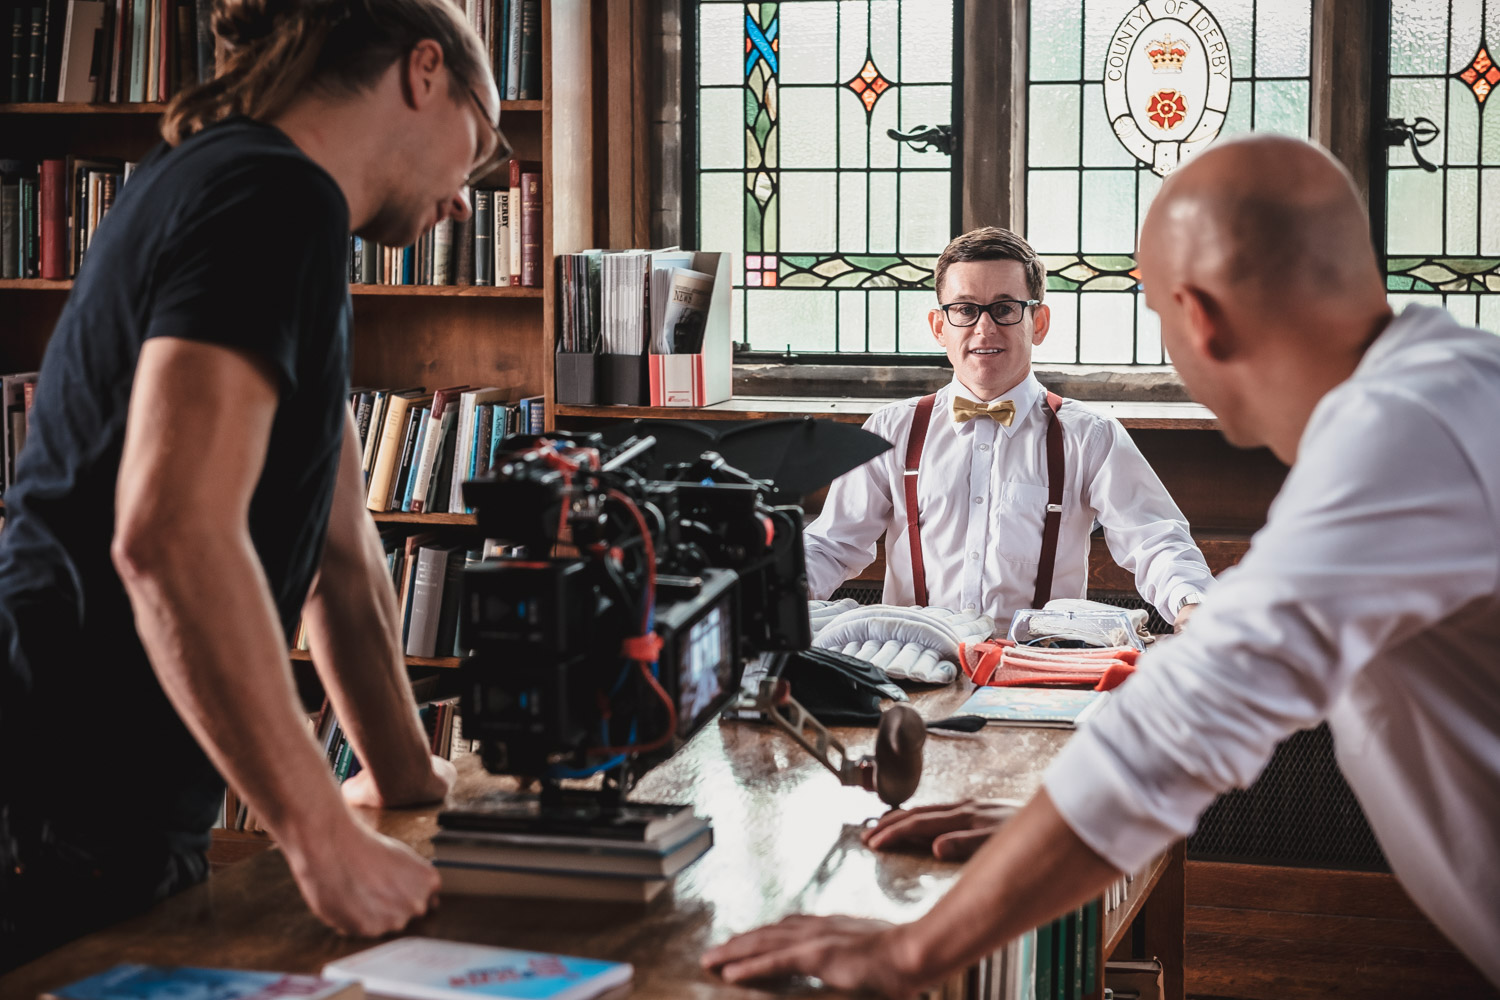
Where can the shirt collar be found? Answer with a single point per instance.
(1026, 394)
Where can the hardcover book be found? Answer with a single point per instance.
(430, 969)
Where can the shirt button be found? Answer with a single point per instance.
(983, 447)
(979, 499)
(973, 555)
(968, 607)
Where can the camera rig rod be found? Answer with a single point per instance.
(894, 770)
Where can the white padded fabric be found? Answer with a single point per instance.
(907, 643)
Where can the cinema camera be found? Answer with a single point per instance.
(625, 622)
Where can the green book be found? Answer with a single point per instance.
(1045, 960)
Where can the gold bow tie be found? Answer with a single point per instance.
(964, 410)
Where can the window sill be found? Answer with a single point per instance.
(1088, 383)
(1134, 415)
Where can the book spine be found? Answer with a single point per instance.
(414, 423)
(423, 429)
(138, 21)
(35, 53)
(387, 453)
(502, 236)
(484, 233)
(513, 53)
(54, 220)
(531, 51)
(203, 21)
(466, 412)
(20, 34)
(421, 638)
(120, 52)
(442, 253)
(531, 230)
(514, 195)
(463, 239)
(184, 48)
(65, 91)
(10, 243)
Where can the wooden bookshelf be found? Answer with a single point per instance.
(401, 335)
(445, 662)
(405, 517)
(61, 108)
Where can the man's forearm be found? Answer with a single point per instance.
(351, 618)
(204, 614)
(1032, 870)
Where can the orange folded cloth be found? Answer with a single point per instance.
(1001, 663)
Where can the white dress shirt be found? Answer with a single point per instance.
(982, 494)
(1370, 598)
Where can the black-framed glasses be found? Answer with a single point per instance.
(1005, 312)
(503, 150)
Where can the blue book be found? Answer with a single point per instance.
(147, 982)
(411, 480)
(429, 969)
(1053, 708)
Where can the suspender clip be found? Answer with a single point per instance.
(1054, 508)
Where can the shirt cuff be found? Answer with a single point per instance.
(1096, 798)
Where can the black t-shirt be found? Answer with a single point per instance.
(235, 238)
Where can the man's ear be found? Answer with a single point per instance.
(1041, 319)
(1208, 330)
(423, 76)
(935, 321)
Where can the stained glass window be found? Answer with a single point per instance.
(1119, 93)
(1443, 226)
(836, 226)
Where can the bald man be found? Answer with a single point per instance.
(1369, 599)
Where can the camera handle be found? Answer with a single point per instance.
(892, 772)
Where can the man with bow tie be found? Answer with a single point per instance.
(994, 485)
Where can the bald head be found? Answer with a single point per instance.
(1256, 256)
(1271, 221)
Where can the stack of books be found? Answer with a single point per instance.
(507, 847)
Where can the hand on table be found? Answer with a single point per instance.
(954, 830)
(361, 789)
(362, 883)
(846, 953)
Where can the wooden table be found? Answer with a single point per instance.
(786, 839)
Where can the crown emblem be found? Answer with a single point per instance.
(1167, 54)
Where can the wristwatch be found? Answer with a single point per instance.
(1189, 599)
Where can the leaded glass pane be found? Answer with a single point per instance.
(1443, 227)
(792, 150)
(1158, 81)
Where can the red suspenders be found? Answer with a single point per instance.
(914, 442)
(1056, 470)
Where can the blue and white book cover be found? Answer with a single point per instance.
(156, 982)
(1029, 706)
(430, 969)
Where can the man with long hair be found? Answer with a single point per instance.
(192, 484)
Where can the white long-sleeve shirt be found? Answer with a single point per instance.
(1371, 598)
(982, 496)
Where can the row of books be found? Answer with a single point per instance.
(440, 722)
(500, 244)
(499, 846)
(49, 213)
(420, 446)
(16, 394)
(105, 51)
(111, 51)
(512, 33)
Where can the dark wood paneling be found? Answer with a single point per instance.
(1258, 932)
(991, 135)
(450, 341)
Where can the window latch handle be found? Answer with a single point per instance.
(1417, 132)
(939, 137)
